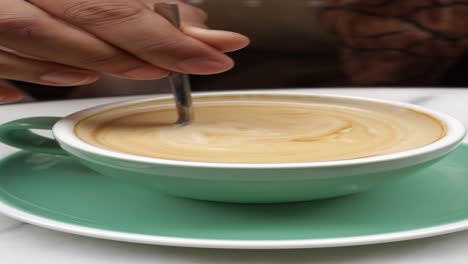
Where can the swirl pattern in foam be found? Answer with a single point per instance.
(261, 129)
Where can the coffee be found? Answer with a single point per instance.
(261, 129)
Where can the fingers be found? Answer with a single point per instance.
(193, 25)
(9, 94)
(18, 68)
(58, 42)
(138, 30)
(224, 41)
(2, 48)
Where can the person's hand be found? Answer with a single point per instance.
(9, 94)
(398, 42)
(72, 42)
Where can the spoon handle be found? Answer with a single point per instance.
(180, 83)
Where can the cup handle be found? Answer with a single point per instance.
(18, 134)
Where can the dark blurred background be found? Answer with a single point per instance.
(317, 43)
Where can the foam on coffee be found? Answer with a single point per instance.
(261, 129)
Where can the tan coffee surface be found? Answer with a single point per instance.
(261, 129)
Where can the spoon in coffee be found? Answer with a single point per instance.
(180, 83)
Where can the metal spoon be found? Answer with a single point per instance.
(180, 83)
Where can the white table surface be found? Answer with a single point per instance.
(24, 243)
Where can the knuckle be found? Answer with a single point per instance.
(160, 45)
(97, 59)
(103, 62)
(102, 13)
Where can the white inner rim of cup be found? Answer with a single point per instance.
(64, 133)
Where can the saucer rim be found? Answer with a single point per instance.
(44, 222)
(231, 244)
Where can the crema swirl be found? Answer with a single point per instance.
(261, 129)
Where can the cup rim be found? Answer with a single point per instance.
(64, 133)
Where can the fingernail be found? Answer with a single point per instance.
(66, 77)
(145, 73)
(204, 66)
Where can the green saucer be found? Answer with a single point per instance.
(58, 193)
